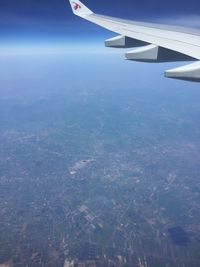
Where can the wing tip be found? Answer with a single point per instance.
(79, 8)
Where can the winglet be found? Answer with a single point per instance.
(80, 9)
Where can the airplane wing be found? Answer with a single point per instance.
(151, 42)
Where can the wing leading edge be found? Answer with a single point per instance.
(156, 42)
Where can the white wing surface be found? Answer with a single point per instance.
(153, 42)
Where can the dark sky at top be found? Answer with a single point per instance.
(50, 19)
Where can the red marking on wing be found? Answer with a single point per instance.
(76, 6)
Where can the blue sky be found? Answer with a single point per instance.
(52, 20)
